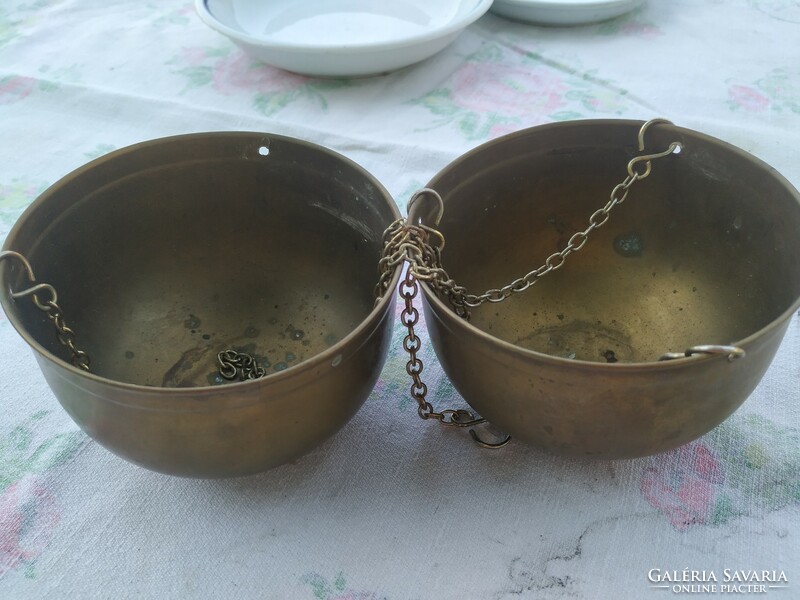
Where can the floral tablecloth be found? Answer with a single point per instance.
(394, 508)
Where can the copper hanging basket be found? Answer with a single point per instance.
(166, 255)
(701, 262)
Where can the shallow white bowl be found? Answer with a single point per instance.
(341, 38)
(563, 12)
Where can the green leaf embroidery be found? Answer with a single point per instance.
(198, 76)
(19, 457)
(269, 104)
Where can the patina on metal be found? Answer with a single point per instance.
(173, 253)
(702, 258)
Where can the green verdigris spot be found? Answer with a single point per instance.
(629, 245)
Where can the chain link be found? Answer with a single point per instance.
(409, 317)
(411, 243)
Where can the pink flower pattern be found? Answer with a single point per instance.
(29, 514)
(29, 509)
(777, 91)
(630, 27)
(497, 91)
(15, 88)
(736, 469)
(748, 98)
(233, 73)
(640, 29)
(238, 72)
(507, 89)
(682, 484)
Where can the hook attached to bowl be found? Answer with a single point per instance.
(65, 335)
(732, 352)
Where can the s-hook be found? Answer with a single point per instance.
(64, 334)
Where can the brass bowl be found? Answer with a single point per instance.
(704, 251)
(165, 253)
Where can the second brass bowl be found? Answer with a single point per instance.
(704, 251)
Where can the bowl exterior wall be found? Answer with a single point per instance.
(207, 430)
(585, 409)
(559, 16)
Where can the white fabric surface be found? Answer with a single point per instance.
(391, 507)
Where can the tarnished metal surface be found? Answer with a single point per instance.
(702, 253)
(168, 253)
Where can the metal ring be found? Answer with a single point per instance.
(649, 157)
(732, 352)
(646, 126)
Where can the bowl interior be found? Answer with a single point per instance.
(166, 254)
(702, 252)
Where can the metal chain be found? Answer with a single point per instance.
(409, 317)
(411, 343)
(578, 240)
(239, 366)
(404, 241)
(64, 334)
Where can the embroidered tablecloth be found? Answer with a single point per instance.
(392, 507)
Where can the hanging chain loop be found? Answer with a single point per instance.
(64, 334)
(421, 247)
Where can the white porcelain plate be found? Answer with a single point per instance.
(341, 38)
(563, 12)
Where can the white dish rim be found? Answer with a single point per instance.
(452, 27)
(568, 4)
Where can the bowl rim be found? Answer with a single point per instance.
(207, 16)
(365, 328)
(571, 5)
(446, 315)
